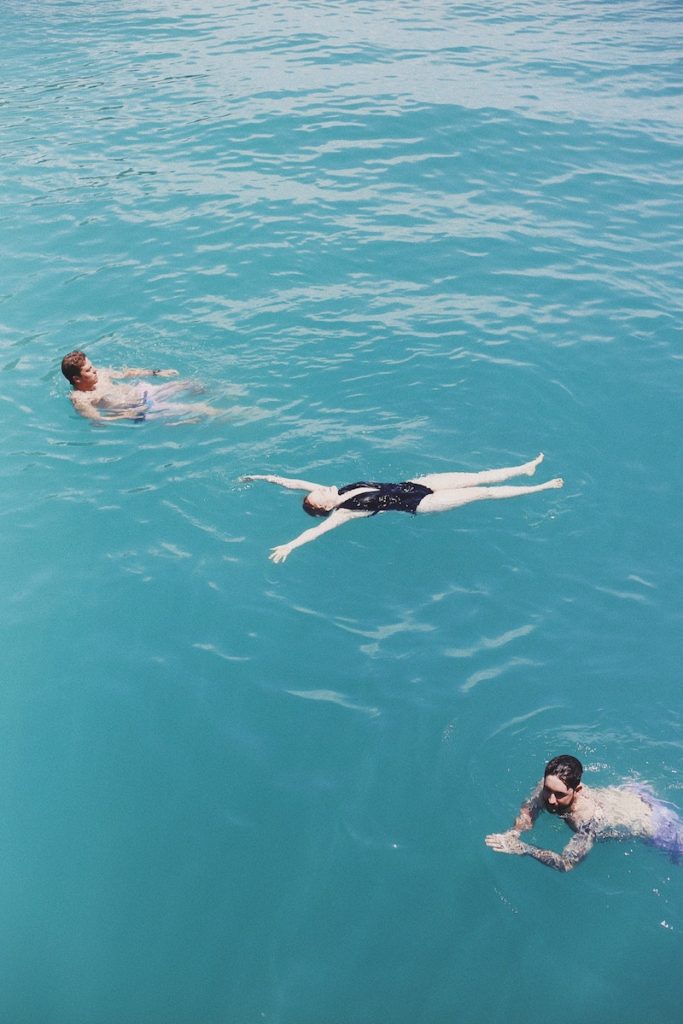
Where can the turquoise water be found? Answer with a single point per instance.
(392, 239)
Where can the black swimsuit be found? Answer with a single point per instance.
(403, 497)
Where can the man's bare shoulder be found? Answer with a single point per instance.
(613, 811)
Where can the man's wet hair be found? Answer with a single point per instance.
(567, 768)
(314, 510)
(72, 364)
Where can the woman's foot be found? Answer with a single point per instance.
(530, 468)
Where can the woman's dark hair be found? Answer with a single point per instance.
(314, 510)
(567, 768)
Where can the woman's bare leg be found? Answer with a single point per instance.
(443, 501)
(451, 481)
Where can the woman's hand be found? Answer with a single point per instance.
(280, 553)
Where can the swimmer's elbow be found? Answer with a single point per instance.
(569, 863)
(557, 863)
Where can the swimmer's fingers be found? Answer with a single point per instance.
(495, 841)
(505, 842)
(279, 554)
(166, 373)
(253, 476)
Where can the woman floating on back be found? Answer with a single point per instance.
(436, 493)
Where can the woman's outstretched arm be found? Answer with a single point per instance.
(337, 518)
(283, 481)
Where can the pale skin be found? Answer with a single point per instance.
(450, 490)
(96, 397)
(593, 814)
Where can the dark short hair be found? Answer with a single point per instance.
(314, 510)
(567, 768)
(72, 364)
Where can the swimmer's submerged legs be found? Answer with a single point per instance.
(195, 410)
(160, 400)
(443, 501)
(667, 824)
(162, 392)
(450, 481)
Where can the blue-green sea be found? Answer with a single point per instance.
(390, 239)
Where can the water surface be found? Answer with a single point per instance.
(391, 241)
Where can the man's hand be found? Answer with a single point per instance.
(164, 373)
(506, 842)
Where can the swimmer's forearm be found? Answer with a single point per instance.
(307, 536)
(526, 818)
(92, 414)
(578, 847)
(86, 409)
(529, 811)
(139, 372)
(574, 852)
(283, 481)
(548, 857)
(280, 553)
(112, 417)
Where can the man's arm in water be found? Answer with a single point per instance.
(526, 816)
(578, 847)
(118, 374)
(529, 811)
(86, 408)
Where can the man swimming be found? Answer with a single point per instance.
(98, 398)
(629, 811)
(438, 492)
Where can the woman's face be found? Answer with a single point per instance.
(326, 498)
